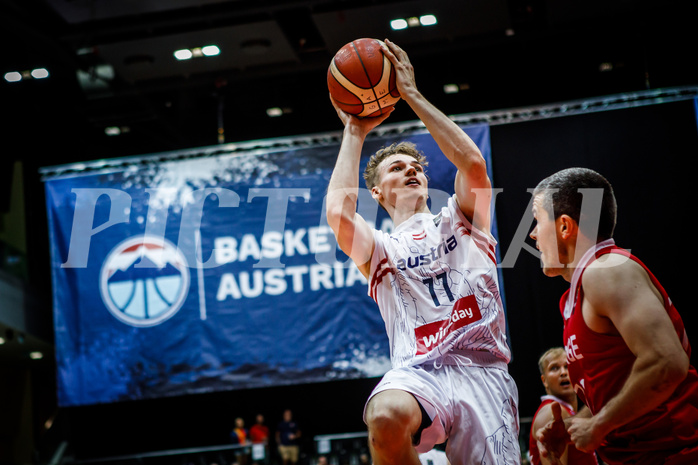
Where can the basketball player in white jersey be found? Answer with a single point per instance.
(435, 282)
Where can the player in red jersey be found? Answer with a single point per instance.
(558, 389)
(627, 349)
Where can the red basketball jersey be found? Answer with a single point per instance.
(598, 366)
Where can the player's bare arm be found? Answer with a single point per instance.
(621, 299)
(472, 185)
(554, 437)
(354, 235)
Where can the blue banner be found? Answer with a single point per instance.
(176, 275)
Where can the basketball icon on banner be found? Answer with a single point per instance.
(144, 281)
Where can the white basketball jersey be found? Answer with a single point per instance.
(435, 281)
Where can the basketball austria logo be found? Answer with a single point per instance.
(144, 280)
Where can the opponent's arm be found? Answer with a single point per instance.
(472, 185)
(551, 434)
(354, 235)
(620, 298)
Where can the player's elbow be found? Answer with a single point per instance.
(473, 164)
(670, 372)
(333, 213)
(678, 368)
(338, 215)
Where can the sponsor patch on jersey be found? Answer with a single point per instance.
(465, 311)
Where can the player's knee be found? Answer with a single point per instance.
(393, 416)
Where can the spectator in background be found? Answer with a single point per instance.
(259, 436)
(287, 439)
(239, 436)
(259, 432)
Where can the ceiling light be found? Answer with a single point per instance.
(13, 76)
(455, 88)
(16, 76)
(184, 54)
(197, 52)
(2, 340)
(210, 50)
(36, 355)
(398, 24)
(274, 112)
(413, 21)
(39, 73)
(427, 20)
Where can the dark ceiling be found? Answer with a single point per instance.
(111, 64)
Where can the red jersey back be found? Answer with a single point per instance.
(599, 365)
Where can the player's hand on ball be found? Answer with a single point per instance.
(365, 125)
(404, 71)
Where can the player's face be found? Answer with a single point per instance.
(545, 235)
(556, 378)
(403, 184)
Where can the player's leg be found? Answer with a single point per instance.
(393, 418)
(486, 422)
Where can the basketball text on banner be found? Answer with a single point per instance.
(176, 275)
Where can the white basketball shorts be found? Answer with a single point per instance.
(474, 407)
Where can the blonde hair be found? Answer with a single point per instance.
(371, 175)
(550, 353)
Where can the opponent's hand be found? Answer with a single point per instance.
(553, 438)
(404, 71)
(584, 435)
(364, 125)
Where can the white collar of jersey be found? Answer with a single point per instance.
(587, 258)
(417, 218)
(559, 401)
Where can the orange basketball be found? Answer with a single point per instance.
(361, 79)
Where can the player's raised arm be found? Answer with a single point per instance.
(354, 235)
(472, 185)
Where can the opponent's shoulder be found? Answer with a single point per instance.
(611, 271)
(614, 284)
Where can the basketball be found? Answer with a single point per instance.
(361, 79)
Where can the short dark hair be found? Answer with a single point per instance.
(407, 148)
(566, 198)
